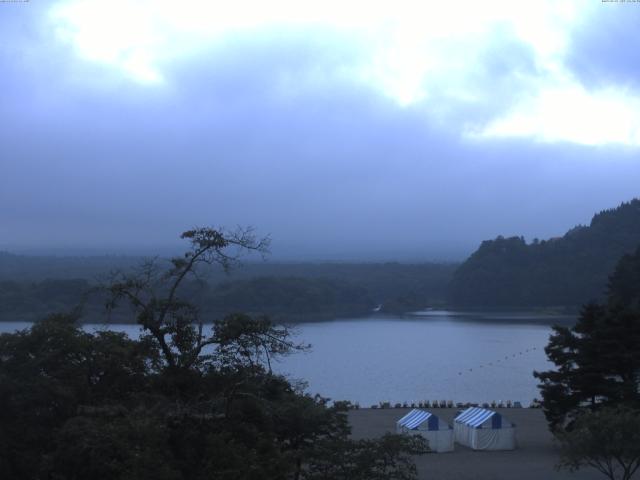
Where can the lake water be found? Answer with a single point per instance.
(432, 355)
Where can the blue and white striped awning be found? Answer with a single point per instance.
(416, 417)
(476, 416)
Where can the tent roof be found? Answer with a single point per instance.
(475, 416)
(414, 418)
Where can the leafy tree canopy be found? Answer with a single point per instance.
(607, 440)
(182, 401)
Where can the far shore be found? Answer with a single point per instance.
(535, 316)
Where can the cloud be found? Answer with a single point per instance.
(570, 113)
(343, 134)
(345, 175)
(491, 69)
(603, 53)
(586, 94)
(409, 50)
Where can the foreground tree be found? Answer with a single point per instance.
(54, 372)
(181, 402)
(388, 458)
(598, 359)
(154, 292)
(607, 440)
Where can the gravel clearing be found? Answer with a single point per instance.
(534, 459)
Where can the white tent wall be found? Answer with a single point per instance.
(482, 429)
(493, 439)
(439, 440)
(461, 434)
(438, 434)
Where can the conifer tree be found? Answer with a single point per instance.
(598, 359)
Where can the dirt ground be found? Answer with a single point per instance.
(534, 458)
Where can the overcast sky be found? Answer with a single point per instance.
(346, 130)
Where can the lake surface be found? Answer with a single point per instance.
(431, 355)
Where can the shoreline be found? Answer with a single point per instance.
(488, 316)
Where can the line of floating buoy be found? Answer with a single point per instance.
(490, 364)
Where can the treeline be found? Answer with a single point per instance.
(397, 287)
(286, 292)
(35, 268)
(566, 271)
(289, 297)
(506, 272)
(33, 300)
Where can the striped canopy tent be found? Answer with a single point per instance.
(420, 422)
(482, 429)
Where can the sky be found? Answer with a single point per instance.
(353, 130)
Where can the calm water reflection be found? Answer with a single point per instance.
(434, 355)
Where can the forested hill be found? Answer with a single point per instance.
(565, 271)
